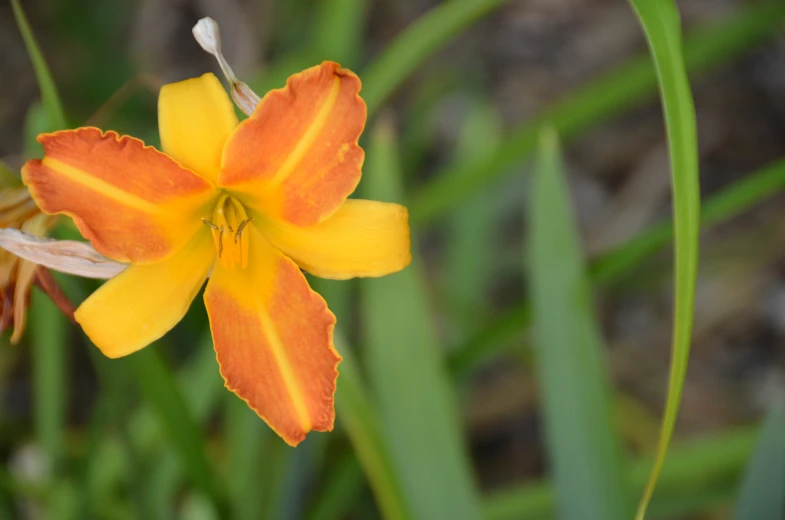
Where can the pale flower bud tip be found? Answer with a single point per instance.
(207, 35)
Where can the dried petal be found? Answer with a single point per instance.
(67, 256)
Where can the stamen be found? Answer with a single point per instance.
(220, 242)
(208, 223)
(240, 229)
(230, 218)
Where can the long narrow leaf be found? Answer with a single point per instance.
(357, 414)
(472, 238)
(418, 409)
(418, 42)
(246, 434)
(339, 31)
(49, 95)
(762, 492)
(160, 390)
(661, 23)
(720, 207)
(49, 339)
(701, 467)
(584, 450)
(621, 88)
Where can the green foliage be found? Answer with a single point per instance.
(661, 23)
(49, 95)
(584, 450)
(416, 403)
(162, 438)
(762, 493)
(623, 87)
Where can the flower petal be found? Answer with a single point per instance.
(66, 256)
(144, 302)
(362, 238)
(195, 118)
(274, 342)
(36, 225)
(132, 202)
(297, 156)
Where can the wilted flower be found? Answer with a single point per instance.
(17, 276)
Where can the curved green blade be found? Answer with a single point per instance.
(662, 25)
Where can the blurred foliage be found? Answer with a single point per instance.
(155, 435)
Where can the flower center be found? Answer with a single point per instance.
(229, 226)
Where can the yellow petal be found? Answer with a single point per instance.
(144, 302)
(363, 238)
(195, 118)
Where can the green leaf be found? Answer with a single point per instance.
(357, 414)
(705, 469)
(720, 207)
(472, 231)
(623, 87)
(49, 95)
(416, 44)
(338, 34)
(9, 178)
(48, 339)
(584, 450)
(49, 343)
(661, 23)
(723, 205)
(408, 377)
(246, 434)
(762, 492)
(161, 392)
(341, 489)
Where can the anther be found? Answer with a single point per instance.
(240, 229)
(208, 223)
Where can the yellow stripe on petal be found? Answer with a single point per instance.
(144, 302)
(195, 118)
(363, 238)
(297, 158)
(132, 202)
(273, 340)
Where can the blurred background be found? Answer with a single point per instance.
(84, 437)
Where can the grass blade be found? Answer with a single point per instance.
(246, 433)
(339, 31)
(357, 414)
(49, 343)
(472, 231)
(339, 492)
(49, 95)
(621, 88)
(414, 394)
(720, 207)
(49, 339)
(160, 391)
(762, 492)
(417, 43)
(584, 450)
(706, 467)
(662, 25)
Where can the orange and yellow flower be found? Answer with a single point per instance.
(246, 204)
